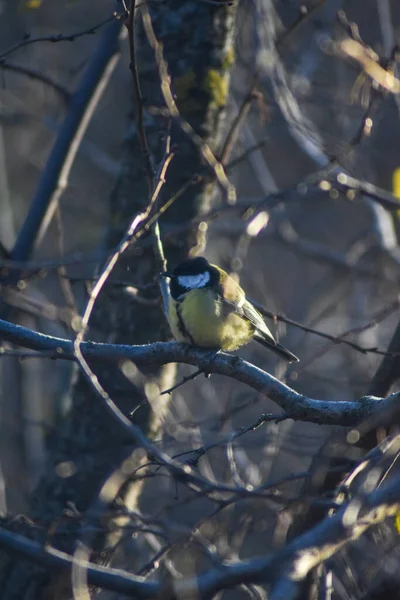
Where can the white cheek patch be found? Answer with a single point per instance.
(194, 281)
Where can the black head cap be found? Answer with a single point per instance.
(188, 268)
(192, 266)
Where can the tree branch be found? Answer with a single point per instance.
(112, 579)
(292, 563)
(297, 406)
(59, 37)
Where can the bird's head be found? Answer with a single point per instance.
(191, 274)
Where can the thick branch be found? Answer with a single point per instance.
(112, 579)
(297, 406)
(293, 562)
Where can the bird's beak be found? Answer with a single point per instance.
(166, 274)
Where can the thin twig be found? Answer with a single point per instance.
(39, 76)
(60, 37)
(197, 453)
(138, 96)
(65, 284)
(161, 263)
(129, 238)
(182, 382)
(238, 123)
(340, 339)
(379, 195)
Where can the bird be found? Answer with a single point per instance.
(208, 309)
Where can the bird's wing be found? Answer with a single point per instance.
(251, 314)
(234, 300)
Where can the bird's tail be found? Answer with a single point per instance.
(277, 348)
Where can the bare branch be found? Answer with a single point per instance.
(379, 316)
(386, 199)
(369, 62)
(112, 579)
(37, 75)
(297, 406)
(138, 96)
(292, 563)
(61, 38)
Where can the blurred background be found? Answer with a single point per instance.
(319, 254)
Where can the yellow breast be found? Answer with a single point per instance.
(200, 320)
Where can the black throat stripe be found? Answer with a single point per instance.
(181, 324)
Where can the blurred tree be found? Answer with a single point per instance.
(197, 41)
(314, 128)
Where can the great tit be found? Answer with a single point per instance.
(209, 309)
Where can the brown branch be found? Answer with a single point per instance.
(355, 48)
(238, 123)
